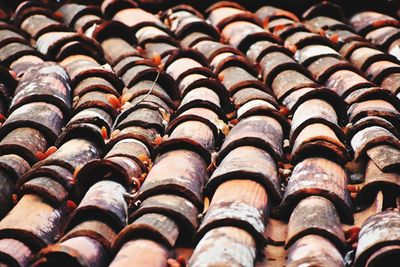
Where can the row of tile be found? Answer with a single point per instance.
(368, 103)
(132, 122)
(198, 84)
(245, 183)
(314, 139)
(50, 188)
(379, 29)
(168, 208)
(37, 114)
(376, 111)
(146, 106)
(170, 199)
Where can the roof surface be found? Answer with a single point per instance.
(201, 134)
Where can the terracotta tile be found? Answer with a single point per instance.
(147, 136)
(315, 215)
(7, 183)
(363, 57)
(377, 180)
(302, 39)
(294, 99)
(155, 226)
(245, 95)
(143, 252)
(274, 256)
(316, 181)
(225, 246)
(70, 158)
(9, 36)
(118, 168)
(371, 121)
(313, 250)
(33, 141)
(14, 165)
(240, 203)
(386, 157)
(73, 12)
(378, 231)
(139, 96)
(142, 88)
(194, 38)
(13, 51)
(258, 131)
(323, 8)
(270, 11)
(380, 108)
(391, 82)
(325, 22)
(15, 252)
(383, 36)
(189, 24)
(153, 34)
(57, 173)
(42, 116)
(38, 25)
(366, 21)
(201, 141)
(137, 18)
(79, 70)
(50, 190)
(210, 49)
(104, 200)
(288, 81)
(49, 43)
(202, 114)
(362, 94)
(314, 111)
(176, 171)
(84, 23)
(343, 82)
(310, 53)
(379, 70)
(181, 210)
(246, 162)
(110, 7)
(33, 222)
(275, 62)
(34, 87)
(318, 138)
(77, 250)
(95, 116)
(394, 49)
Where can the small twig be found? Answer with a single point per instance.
(151, 89)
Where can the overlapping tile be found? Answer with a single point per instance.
(259, 117)
(242, 139)
(366, 100)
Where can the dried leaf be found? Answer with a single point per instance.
(104, 132)
(71, 205)
(113, 101)
(114, 133)
(76, 171)
(50, 151)
(206, 204)
(165, 115)
(334, 38)
(222, 126)
(40, 155)
(126, 97)
(156, 58)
